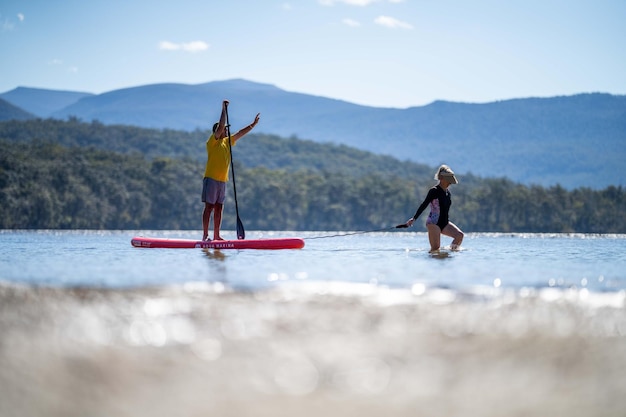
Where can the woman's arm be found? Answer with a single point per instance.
(429, 197)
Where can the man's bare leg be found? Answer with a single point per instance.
(217, 221)
(206, 218)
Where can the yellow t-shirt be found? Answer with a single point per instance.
(218, 159)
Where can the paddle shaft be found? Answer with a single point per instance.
(241, 233)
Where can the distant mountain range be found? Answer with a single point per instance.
(40, 102)
(573, 141)
(9, 111)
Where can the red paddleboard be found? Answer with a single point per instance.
(275, 243)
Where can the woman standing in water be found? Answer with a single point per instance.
(440, 201)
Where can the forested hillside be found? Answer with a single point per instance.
(73, 184)
(256, 150)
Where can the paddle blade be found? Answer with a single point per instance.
(402, 226)
(241, 233)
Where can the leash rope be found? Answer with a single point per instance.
(400, 226)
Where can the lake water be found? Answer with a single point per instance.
(105, 259)
(361, 324)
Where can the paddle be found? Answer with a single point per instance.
(241, 233)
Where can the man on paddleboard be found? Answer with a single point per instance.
(440, 201)
(216, 171)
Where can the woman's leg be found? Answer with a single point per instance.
(455, 233)
(434, 236)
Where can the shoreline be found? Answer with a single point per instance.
(202, 349)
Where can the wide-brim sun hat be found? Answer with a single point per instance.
(448, 174)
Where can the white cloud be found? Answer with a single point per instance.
(7, 25)
(169, 46)
(350, 22)
(348, 2)
(56, 62)
(392, 23)
(355, 2)
(194, 46)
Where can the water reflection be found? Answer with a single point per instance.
(217, 265)
(214, 254)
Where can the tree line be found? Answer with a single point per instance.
(46, 185)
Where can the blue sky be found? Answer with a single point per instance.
(384, 53)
